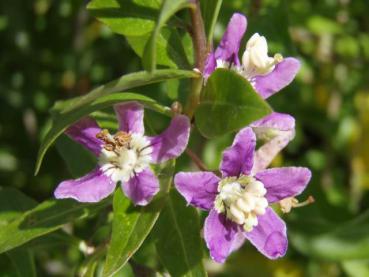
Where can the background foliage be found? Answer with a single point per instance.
(52, 50)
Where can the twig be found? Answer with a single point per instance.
(196, 160)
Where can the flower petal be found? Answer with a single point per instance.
(276, 130)
(198, 188)
(210, 65)
(270, 235)
(90, 188)
(130, 117)
(284, 182)
(84, 131)
(238, 158)
(172, 142)
(230, 44)
(142, 187)
(280, 77)
(222, 236)
(278, 121)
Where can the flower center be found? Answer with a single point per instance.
(255, 59)
(123, 154)
(241, 200)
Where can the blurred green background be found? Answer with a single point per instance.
(53, 50)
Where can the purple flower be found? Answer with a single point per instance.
(239, 200)
(267, 74)
(124, 157)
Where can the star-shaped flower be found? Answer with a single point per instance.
(124, 157)
(239, 201)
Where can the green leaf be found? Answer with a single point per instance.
(43, 219)
(126, 17)
(12, 204)
(169, 49)
(178, 238)
(23, 262)
(67, 112)
(79, 160)
(228, 103)
(132, 224)
(336, 242)
(356, 268)
(168, 9)
(210, 11)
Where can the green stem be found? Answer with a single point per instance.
(199, 43)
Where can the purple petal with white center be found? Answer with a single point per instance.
(284, 182)
(172, 142)
(142, 187)
(210, 65)
(84, 132)
(130, 117)
(198, 188)
(230, 44)
(276, 130)
(90, 188)
(282, 75)
(222, 236)
(270, 235)
(238, 158)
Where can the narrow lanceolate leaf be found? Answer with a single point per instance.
(132, 224)
(178, 238)
(210, 11)
(331, 241)
(228, 103)
(43, 219)
(12, 204)
(67, 112)
(168, 9)
(23, 262)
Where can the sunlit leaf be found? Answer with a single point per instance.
(126, 17)
(178, 238)
(43, 219)
(132, 224)
(228, 103)
(210, 11)
(168, 9)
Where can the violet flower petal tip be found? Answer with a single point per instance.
(198, 188)
(92, 187)
(284, 182)
(279, 121)
(84, 131)
(230, 44)
(222, 236)
(270, 235)
(239, 157)
(130, 117)
(142, 187)
(173, 141)
(282, 75)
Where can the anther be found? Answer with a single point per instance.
(288, 203)
(122, 139)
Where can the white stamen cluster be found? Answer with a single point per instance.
(255, 59)
(241, 200)
(124, 155)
